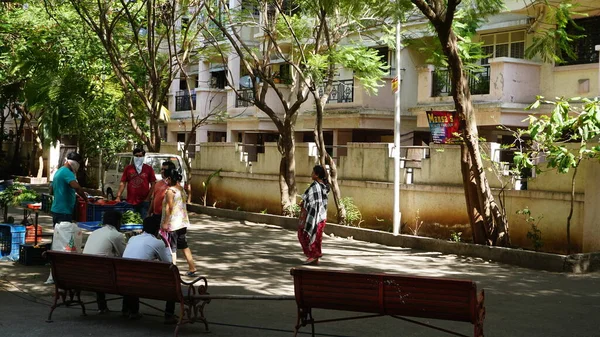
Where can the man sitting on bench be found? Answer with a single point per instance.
(147, 246)
(106, 241)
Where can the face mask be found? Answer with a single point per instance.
(74, 165)
(138, 162)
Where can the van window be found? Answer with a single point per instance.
(113, 164)
(156, 163)
(123, 161)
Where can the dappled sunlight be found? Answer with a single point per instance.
(246, 258)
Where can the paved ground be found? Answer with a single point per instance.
(247, 258)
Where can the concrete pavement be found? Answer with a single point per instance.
(240, 257)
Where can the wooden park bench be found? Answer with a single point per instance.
(387, 295)
(74, 273)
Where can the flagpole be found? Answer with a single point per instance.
(397, 214)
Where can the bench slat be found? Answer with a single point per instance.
(437, 298)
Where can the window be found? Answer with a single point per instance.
(156, 163)
(584, 48)
(508, 44)
(285, 73)
(218, 79)
(123, 161)
(183, 83)
(251, 7)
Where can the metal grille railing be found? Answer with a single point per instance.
(342, 92)
(479, 82)
(182, 102)
(584, 48)
(244, 98)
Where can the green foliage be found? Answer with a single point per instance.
(456, 236)
(206, 182)
(353, 215)
(554, 44)
(534, 234)
(565, 137)
(17, 193)
(61, 76)
(295, 210)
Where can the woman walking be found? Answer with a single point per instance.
(175, 219)
(313, 215)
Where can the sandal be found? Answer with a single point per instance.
(311, 261)
(191, 273)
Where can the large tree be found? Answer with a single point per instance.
(54, 76)
(145, 42)
(308, 38)
(488, 222)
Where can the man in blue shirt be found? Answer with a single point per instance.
(147, 246)
(63, 187)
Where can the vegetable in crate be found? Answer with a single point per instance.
(15, 194)
(132, 217)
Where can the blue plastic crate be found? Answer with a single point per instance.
(132, 227)
(93, 225)
(11, 237)
(90, 225)
(95, 212)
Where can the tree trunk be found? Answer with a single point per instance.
(488, 223)
(3, 119)
(325, 159)
(37, 155)
(16, 167)
(571, 208)
(287, 171)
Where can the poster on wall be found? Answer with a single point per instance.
(443, 125)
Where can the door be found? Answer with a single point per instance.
(114, 173)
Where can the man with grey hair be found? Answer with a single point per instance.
(63, 187)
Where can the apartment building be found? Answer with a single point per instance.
(506, 84)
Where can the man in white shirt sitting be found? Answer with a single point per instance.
(147, 246)
(106, 241)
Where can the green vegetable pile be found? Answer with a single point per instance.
(14, 195)
(132, 217)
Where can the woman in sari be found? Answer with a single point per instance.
(313, 215)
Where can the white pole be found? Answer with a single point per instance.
(397, 214)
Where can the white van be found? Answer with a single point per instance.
(112, 176)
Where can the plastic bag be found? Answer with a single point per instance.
(68, 237)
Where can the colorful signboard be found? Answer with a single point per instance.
(443, 125)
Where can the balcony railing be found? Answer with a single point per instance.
(244, 98)
(182, 102)
(342, 92)
(479, 82)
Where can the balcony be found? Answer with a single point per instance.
(500, 92)
(342, 92)
(506, 80)
(185, 102)
(479, 82)
(244, 98)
